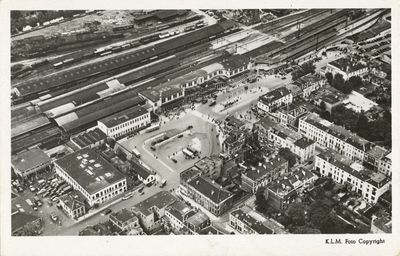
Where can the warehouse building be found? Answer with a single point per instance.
(90, 174)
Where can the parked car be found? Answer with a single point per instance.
(174, 160)
(106, 211)
(153, 148)
(54, 216)
(127, 196)
(190, 127)
(32, 188)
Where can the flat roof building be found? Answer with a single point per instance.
(127, 121)
(92, 175)
(30, 162)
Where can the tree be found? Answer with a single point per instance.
(261, 202)
(338, 81)
(297, 212)
(362, 127)
(288, 155)
(329, 77)
(29, 230)
(325, 115)
(356, 81)
(347, 87)
(305, 230)
(308, 68)
(317, 215)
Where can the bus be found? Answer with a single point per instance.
(153, 128)
(188, 153)
(136, 152)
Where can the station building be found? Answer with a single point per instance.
(91, 175)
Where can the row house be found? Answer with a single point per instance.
(329, 135)
(282, 137)
(371, 185)
(266, 172)
(281, 193)
(246, 224)
(385, 165)
(273, 100)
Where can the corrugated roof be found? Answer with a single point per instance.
(18, 128)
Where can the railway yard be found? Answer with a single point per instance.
(187, 70)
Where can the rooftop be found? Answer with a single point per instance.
(234, 122)
(73, 200)
(29, 159)
(254, 224)
(210, 190)
(343, 63)
(140, 170)
(304, 142)
(274, 95)
(123, 215)
(89, 170)
(263, 168)
(384, 224)
(347, 165)
(331, 99)
(310, 78)
(190, 173)
(377, 152)
(198, 218)
(88, 138)
(124, 116)
(20, 219)
(160, 200)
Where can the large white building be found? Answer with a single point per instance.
(371, 185)
(274, 99)
(346, 67)
(90, 174)
(335, 137)
(124, 122)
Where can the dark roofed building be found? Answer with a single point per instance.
(143, 174)
(275, 99)
(90, 138)
(347, 67)
(21, 219)
(197, 221)
(210, 195)
(151, 210)
(73, 204)
(246, 224)
(29, 162)
(90, 174)
(125, 220)
(260, 176)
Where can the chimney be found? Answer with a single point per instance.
(258, 171)
(212, 192)
(347, 69)
(259, 164)
(197, 182)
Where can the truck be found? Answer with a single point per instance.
(37, 201)
(136, 152)
(163, 182)
(187, 153)
(28, 201)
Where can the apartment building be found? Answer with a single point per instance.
(327, 134)
(371, 185)
(272, 100)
